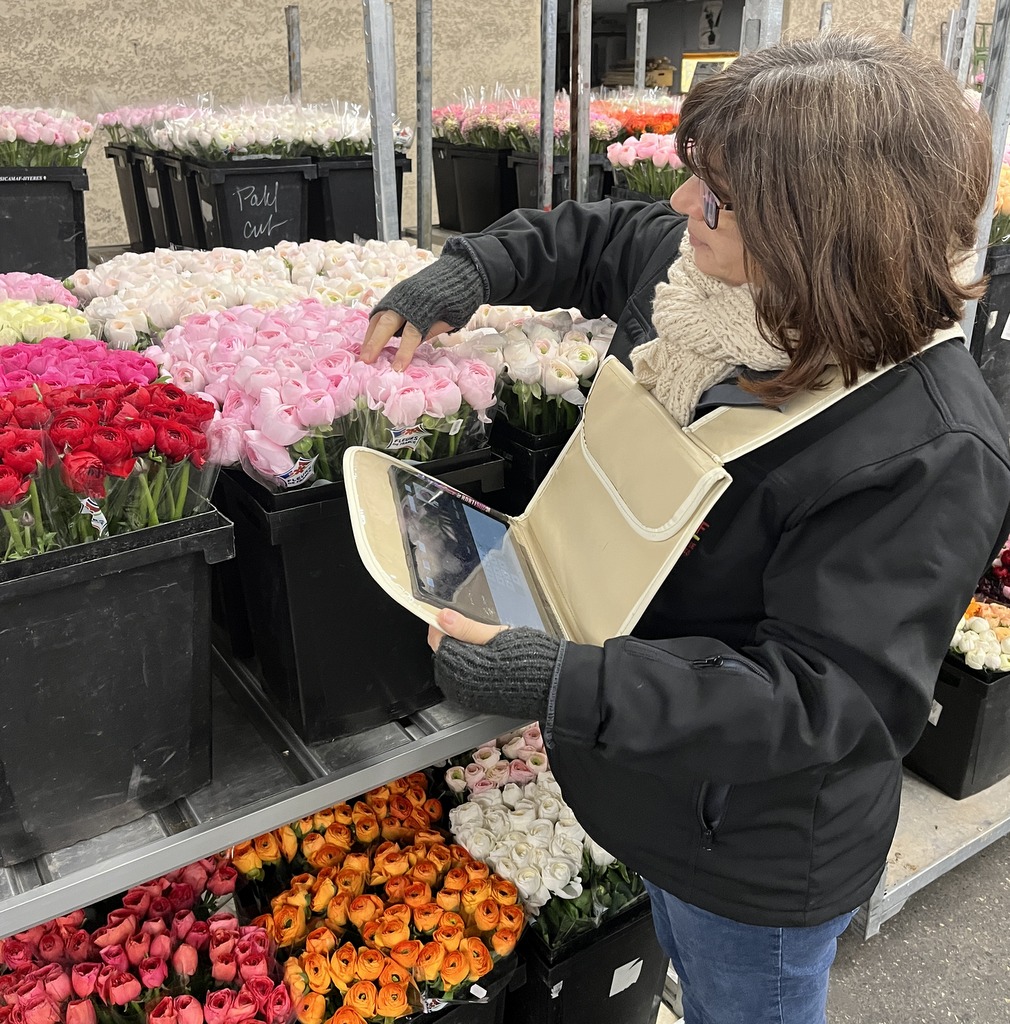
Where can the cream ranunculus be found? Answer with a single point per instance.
(541, 832)
(560, 879)
(522, 854)
(550, 807)
(522, 363)
(511, 794)
(600, 857)
(571, 829)
(480, 843)
(568, 849)
(468, 814)
(582, 358)
(531, 888)
(558, 378)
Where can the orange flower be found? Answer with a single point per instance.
(454, 970)
(503, 892)
(449, 935)
(417, 779)
(456, 880)
(478, 956)
(345, 1015)
(288, 842)
(504, 941)
(302, 826)
(323, 819)
(428, 836)
(380, 806)
(414, 853)
(317, 970)
(379, 793)
(246, 860)
(351, 882)
(453, 920)
(336, 912)
(460, 855)
(266, 922)
(393, 974)
(511, 917)
(368, 933)
(395, 888)
(361, 996)
(302, 883)
(397, 787)
(440, 856)
(477, 869)
(295, 978)
(424, 871)
(326, 856)
(311, 842)
(473, 895)
(485, 917)
(417, 796)
(370, 964)
(447, 899)
(311, 1008)
(429, 961)
(406, 953)
(320, 940)
(427, 917)
(358, 862)
(363, 909)
(417, 894)
(433, 808)
(342, 814)
(267, 848)
(394, 829)
(391, 863)
(417, 821)
(400, 911)
(392, 1001)
(342, 966)
(323, 891)
(400, 807)
(339, 836)
(391, 931)
(367, 830)
(290, 926)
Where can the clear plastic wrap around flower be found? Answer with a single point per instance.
(649, 164)
(33, 137)
(36, 288)
(22, 321)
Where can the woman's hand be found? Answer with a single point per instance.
(384, 326)
(459, 627)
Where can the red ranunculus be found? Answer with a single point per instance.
(199, 935)
(115, 956)
(140, 433)
(164, 395)
(84, 473)
(181, 896)
(160, 908)
(13, 487)
(177, 442)
(200, 411)
(110, 444)
(84, 978)
(223, 880)
(6, 410)
(84, 408)
(24, 457)
(70, 430)
(138, 395)
(79, 946)
(188, 1010)
(51, 945)
(163, 1013)
(32, 414)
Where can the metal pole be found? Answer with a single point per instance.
(762, 24)
(293, 20)
(378, 56)
(825, 25)
(908, 18)
(548, 75)
(948, 41)
(641, 45)
(996, 103)
(581, 68)
(423, 154)
(966, 27)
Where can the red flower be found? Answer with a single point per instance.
(199, 410)
(138, 395)
(84, 979)
(83, 407)
(24, 456)
(13, 487)
(177, 442)
(153, 971)
(163, 1013)
(84, 473)
(6, 410)
(79, 947)
(163, 395)
(112, 446)
(124, 988)
(32, 414)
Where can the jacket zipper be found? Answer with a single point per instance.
(709, 824)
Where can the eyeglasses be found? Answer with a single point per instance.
(711, 204)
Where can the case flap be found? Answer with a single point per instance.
(618, 508)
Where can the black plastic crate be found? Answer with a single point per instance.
(105, 682)
(336, 653)
(132, 194)
(342, 198)
(183, 203)
(491, 1010)
(485, 186)
(616, 973)
(252, 204)
(965, 746)
(445, 184)
(42, 220)
(528, 179)
(528, 458)
(158, 192)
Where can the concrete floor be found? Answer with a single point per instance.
(943, 959)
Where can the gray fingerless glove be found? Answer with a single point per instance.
(509, 675)
(449, 289)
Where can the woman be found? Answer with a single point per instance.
(743, 749)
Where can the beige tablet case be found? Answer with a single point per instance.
(615, 512)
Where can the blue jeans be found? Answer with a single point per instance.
(733, 973)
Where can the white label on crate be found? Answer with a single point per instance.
(303, 470)
(207, 210)
(1005, 336)
(625, 977)
(406, 437)
(934, 713)
(478, 992)
(991, 323)
(556, 990)
(90, 507)
(153, 199)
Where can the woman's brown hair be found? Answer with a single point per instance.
(857, 170)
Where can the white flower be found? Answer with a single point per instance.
(568, 849)
(512, 747)
(522, 854)
(560, 880)
(598, 855)
(511, 794)
(489, 798)
(522, 816)
(480, 843)
(120, 333)
(978, 625)
(468, 814)
(454, 777)
(541, 832)
(523, 365)
(486, 756)
(550, 807)
(558, 378)
(975, 660)
(507, 868)
(571, 829)
(531, 888)
(496, 821)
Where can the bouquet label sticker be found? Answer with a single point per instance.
(625, 976)
(207, 210)
(301, 472)
(934, 713)
(406, 437)
(432, 1005)
(90, 507)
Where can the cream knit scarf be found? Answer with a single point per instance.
(704, 330)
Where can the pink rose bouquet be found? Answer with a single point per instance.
(649, 163)
(42, 138)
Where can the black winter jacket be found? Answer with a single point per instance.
(743, 749)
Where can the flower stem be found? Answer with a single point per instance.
(149, 500)
(180, 500)
(37, 513)
(15, 532)
(319, 443)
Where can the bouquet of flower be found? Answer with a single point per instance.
(642, 111)
(42, 138)
(516, 819)
(999, 234)
(293, 395)
(649, 164)
(544, 365)
(165, 954)
(35, 288)
(982, 637)
(135, 124)
(25, 320)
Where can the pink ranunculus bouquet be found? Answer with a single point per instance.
(42, 138)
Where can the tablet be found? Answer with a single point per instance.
(462, 555)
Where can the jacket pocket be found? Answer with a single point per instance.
(712, 803)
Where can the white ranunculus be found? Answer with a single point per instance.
(480, 843)
(571, 829)
(496, 821)
(511, 794)
(600, 857)
(550, 807)
(511, 748)
(975, 659)
(558, 378)
(977, 624)
(489, 798)
(522, 853)
(541, 856)
(531, 888)
(541, 832)
(522, 363)
(120, 332)
(582, 358)
(486, 756)
(507, 868)
(561, 880)
(468, 814)
(567, 849)
(546, 783)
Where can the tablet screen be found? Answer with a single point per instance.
(461, 555)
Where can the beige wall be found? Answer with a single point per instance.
(92, 55)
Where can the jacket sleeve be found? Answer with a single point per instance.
(861, 595)
(585, 255)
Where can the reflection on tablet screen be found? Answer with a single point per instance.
(461, 556)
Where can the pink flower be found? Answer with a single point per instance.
(161, 946)
(224, 968)
(244, 1006)
(519, 773)
(267, 458)
(138, 947)
(84, 979)
(188, 1010)
(405, 406)
(181, 896)
(532, 737)
(115, 934)
(81, 1011)
(56, 982)
(484, 785)
(315, 409)
(165, 1012)
(253, 966)
(442, 397)
(153, 971)
(199, 935)
(217, 1005)
(262, 989)
(185, 960)
(476, 382)
(279, 1008)
(124, 988)
(275, 420)
(473, 773)
(223, 880)
(182, 922)
(51, 947)
(38, 1008)
(115, 956)
(79, 946)
(137, 901)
